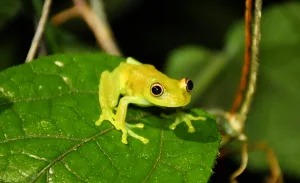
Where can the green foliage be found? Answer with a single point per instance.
(48, 132)
(273, 117)
(7, 14)
(11, 9)
(177, 28)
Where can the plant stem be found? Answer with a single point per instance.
(98, 24)
(247, 56)
(39, 31)
(254, 62)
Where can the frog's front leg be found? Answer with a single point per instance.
(120, 123)
(183, 117)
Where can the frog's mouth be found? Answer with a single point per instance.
(174, 101)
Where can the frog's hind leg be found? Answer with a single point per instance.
(108, 97)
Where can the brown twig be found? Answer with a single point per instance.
(254, 62)
(247, 56)
(65, 15)
(39, 31)
(98, 26)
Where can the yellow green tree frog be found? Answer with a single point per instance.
(142, 85)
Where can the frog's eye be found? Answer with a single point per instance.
(189, 85)
(157, 89)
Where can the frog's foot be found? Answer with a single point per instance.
(138, 125)
(183, 117)
(126, 130)
(106, 114)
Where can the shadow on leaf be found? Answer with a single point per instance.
(204, 132)
(5, 103)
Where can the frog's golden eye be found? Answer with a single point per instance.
(157, 89)
(189, 85)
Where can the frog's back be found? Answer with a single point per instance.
(135, 77)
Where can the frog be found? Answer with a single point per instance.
(133, 82)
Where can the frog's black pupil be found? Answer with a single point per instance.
(156, 90)
(190, 85)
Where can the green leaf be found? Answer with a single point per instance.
(48, 132)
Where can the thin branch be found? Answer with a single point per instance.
(98, 8)
(247, 56)
(65, 15)
(254, 61)
(39, 31)
(97, 24)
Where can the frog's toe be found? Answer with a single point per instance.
(134, 135)
(144, 140)
(124, 135)
(99, 122)
(138, 125)
(106, 114)
(172, 126)
(103, 118)
(124, 140)
(126, 130)
(191, 129)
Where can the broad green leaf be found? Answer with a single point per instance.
(47, 133)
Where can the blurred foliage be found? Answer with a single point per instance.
(274, 111)
(201, 39)
(9, 12)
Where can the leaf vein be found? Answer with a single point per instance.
(172, 166)
(108, 157)
(69, 151)
(38, 137)
(30, 155)
(50, 97)
(63, 78)
(21, 119)
(72, 171)
(158, 157)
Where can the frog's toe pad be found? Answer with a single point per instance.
(172, 127)
(99, 122)
(145, 141)
(106, 114)
(138, 125)
(134, 135)
(124, 141)
(191, 129)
